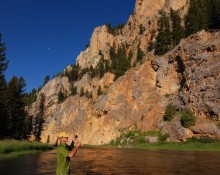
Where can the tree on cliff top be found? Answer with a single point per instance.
(176, 27)
(214, 13)
(197, 17)
(164, 37)
(46, 79)
(140, 52)
(120, 61)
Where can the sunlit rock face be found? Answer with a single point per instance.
(187, 76)
(145, 10)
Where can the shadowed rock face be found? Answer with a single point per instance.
(201, 60)
(187, 76)
(194, 66)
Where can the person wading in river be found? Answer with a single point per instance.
(63, 154)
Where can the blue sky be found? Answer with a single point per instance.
(44, 36)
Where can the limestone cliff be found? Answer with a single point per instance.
(145, 11)
(187, 76)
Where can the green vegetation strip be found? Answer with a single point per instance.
(137, 139)
(181, 146)
(14, 148)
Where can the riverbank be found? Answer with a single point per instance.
(15, 148)
(153, 140)
(181, 146)
(166, 146)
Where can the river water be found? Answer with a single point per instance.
(96, 161)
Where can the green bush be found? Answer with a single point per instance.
(188, 118)
(137, 137)
(73, 90)
(201, 140)
(132, 134)
(170, 111)
(141, 139)
(99, 91)
(61, 96)
(167, 95)
(163, 137)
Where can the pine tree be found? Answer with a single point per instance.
(87, 93)
(40, 118)
(15, 108)
(61, 96)
(73, 90)
(82, 92)
(140, 53)
(90, 95)
(123, 63)
(73, 74)
(107, 66)
(101, 68)
(130, 55)
(177, 28)
(214, 13)
(197, 17)
(164, 37)
(141, 29)
(87, 45)
(151, 46)
(46, 79)
(3, 85)
(108, 25)
(28, 127)
(120, 61)
(29, 98)
(99, 92)
(112, 54)
(92, 72)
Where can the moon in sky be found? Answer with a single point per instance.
(48, 48)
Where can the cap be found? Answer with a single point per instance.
(63, 134)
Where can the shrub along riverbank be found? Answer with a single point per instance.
(15, 148)
(141, 140)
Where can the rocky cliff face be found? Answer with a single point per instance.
(129, 103)
(190, 72)
(145, 11)
(187, 76)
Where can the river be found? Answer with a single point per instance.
(104, 161)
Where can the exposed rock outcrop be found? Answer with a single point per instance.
(175, 130)
(145, 11)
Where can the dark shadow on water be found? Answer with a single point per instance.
(93, 161)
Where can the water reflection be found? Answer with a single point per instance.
(118, 161)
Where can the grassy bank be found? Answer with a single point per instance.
(167, 146)
(139, 140)
(14, 148)
(181, 146)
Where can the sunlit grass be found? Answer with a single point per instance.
(166, 146)
(137, 139)
(181, 146)
(14, 148)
